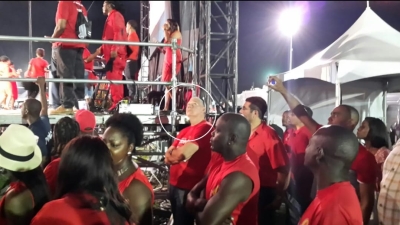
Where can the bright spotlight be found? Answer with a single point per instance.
(290, 21)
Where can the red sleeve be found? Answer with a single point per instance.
(51, 172)
(276, 152)
(365, 167)
(85, 54)
(135, 49)
(202, 134)
(63, 10)
(118, 29)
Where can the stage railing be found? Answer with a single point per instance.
(174, 82)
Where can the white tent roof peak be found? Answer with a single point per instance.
(368, 42)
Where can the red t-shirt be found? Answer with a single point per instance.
(296, 144)
(365, 166)
(137, 175)
(51, 174)
(70, 209)
(185, 175)
(245, 212)
(335, 205)
(135, 49)
(68, 10)
(38, 68)
(267, 152)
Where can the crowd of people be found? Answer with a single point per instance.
(75, 61)
(239, 171)
(236, 172)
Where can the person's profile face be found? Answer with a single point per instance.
(219, 137)
(117, 143)
(339, 117)
(105, 8)
(285, 118)
(24, 111)
(246, 112)
(363, 130)
(128, 27)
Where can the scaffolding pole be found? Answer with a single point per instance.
(218, 51)
(145, 37)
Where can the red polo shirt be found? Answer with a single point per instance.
(267, 152)
(335, 205)
(296, 144)
(51, 174)
(185, 175)
(68, 10)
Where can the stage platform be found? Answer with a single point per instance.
(14, 117)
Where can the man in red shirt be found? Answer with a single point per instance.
(364, 167)
(37, 68)
(329, 155)
(67, 59)
(132, 64)
(232, 185)
(114, 55)
(188, 156)
(299, 190)
(267, 152)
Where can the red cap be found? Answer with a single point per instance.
(86, 120)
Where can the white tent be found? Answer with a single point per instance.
(369, 48)
(360, 62)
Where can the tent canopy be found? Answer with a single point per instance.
(369, 48)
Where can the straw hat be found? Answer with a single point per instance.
(19, 150)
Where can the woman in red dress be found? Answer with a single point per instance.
(87, 191)
(171, 31)
(124, 132)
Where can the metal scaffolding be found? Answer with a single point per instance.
(218, 51)
(144, 26)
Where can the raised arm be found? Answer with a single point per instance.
(234, 189)
(294, 104)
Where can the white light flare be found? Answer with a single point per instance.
(290, 21)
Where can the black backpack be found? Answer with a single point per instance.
(83, 26)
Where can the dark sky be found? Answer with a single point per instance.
(262, 48)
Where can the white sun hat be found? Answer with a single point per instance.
(19, 150)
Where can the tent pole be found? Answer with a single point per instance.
(338, 93)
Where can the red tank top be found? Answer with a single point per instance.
(246, 212)
(137, 175)
(17, 187)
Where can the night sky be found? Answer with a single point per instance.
(263, 50)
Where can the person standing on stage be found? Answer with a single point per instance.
(267, 152)
(9, 89)
(171, 31)
(188, 156)
(115, 55)
(67, 62)
(37, 68)
(132, 64)
(330, 155)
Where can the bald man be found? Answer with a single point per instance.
(188, 156)
(329, 156)
(35, 114)
(232, 185)
(364, 168)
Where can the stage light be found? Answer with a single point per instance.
(290, 21)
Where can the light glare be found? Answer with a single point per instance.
(290, 21)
